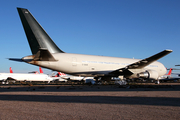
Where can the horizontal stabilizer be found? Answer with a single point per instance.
(16, 59)
(43, 55)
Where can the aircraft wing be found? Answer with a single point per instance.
(144, 62)
(140, 64)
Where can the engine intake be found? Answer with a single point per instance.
(149, 74)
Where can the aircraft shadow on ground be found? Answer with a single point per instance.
(89, 88)
(156, 101)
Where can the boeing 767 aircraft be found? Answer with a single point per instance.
(45, 53)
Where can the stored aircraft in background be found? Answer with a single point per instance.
(45, 53)
(77, 78)
(57, 78)
(5, 77)
(178, 74)
(168, 77)
(69, 77)
(64, 78)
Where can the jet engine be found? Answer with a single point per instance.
(149, 74)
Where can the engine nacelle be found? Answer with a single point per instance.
(149, 74)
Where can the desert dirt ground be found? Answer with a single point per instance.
(83, 102)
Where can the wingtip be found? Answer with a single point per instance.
(169, 50)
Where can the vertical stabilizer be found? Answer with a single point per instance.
(40, 70)
(10, 70)
(170, 71)
(62, 74)
(36, 35)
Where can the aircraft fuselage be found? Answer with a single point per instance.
(91, 65)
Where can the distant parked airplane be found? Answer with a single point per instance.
(24, 76)
(69, 77)
(77, 78)
(57, 77)
(176, 69)
(167, 75)
(36, 72)
(46, 54)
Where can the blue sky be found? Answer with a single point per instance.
(118, 28)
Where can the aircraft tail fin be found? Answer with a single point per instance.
(57, 75)
(62, 74)
(10, 70)
(170, 71)
(40, 70)
(36, 35)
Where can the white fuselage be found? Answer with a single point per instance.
(89, 65)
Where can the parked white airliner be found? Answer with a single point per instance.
(77, 78)
(46, 54)
(24, 76)
(70, 77)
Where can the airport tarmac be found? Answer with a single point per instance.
(99, 102)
